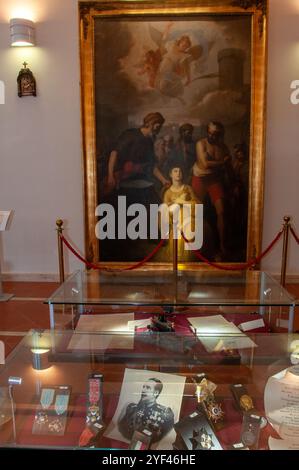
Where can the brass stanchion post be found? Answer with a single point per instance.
(175, 264)
(286, 232)
(175, 255)
(59, 225)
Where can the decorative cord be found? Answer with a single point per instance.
(240, 266)
(104, 268)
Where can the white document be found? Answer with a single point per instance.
(4, 217)
(252, 325)
(211, 324)
(281, 398)
(218, 334)
(282, 444)
(2, 353)
(120, 336)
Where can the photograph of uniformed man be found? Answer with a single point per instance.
(147, 413)
(148, 400)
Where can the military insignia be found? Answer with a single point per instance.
(56, 426)
(140, 413)
(93, 414)
(215, 412)
(41, 418)
(206, 441)
(201, 440)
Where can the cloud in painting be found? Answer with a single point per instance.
(214, 106)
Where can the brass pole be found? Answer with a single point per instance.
(175, 264)
(286, 232)
(59, 225)
(175, 254)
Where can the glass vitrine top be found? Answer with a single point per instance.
(202, 288)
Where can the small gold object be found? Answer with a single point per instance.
(246, 402)
(205, 390)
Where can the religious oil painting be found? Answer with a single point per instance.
(173, 103)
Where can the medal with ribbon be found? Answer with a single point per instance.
(46, 398)
(61, 403)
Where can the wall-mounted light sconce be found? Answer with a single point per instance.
(22, 32)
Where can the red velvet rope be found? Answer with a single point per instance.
(236, 267)
(294, 235)
(103, 268)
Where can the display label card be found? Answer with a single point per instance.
(4, 217)
(2, 353)
(252, 325)
(238, 446)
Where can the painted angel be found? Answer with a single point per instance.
(168, 66)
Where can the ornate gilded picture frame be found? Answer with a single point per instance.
(194, 73)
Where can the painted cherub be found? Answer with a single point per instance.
(153, 57)
(168, 66)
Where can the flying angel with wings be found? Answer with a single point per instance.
(168, 66)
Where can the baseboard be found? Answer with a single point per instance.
(290, 278)
(30, 277)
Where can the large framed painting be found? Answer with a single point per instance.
(173, 109)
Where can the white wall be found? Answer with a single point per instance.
(282, 157)
(40, 138)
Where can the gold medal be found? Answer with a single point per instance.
(246, 402)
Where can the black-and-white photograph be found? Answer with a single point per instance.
(148, 400)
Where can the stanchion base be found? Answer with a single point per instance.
(6, 297)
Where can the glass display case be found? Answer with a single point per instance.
(151, 390)
(155, 360)
(239, 297)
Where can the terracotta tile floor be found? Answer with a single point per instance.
(26, 310)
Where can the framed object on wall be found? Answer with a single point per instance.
(191, 76)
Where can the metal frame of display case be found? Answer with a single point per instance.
(173, 291)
